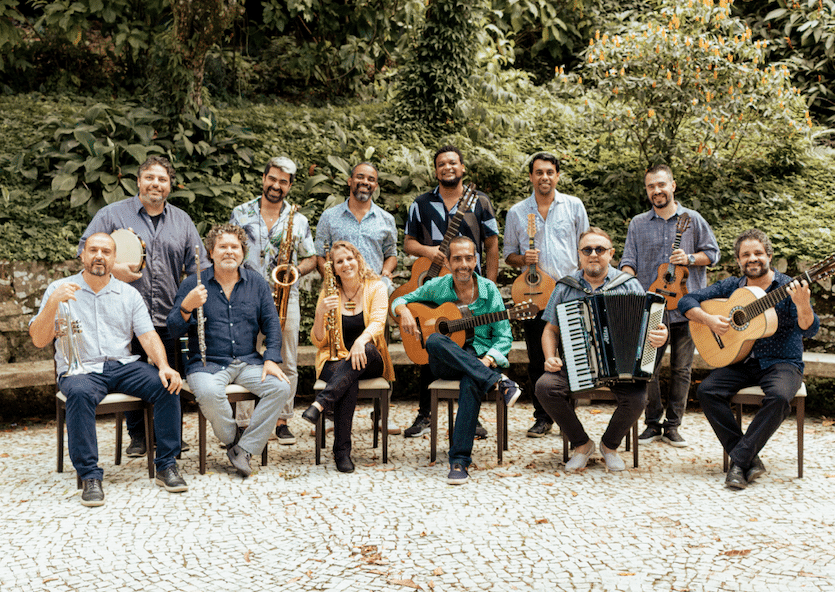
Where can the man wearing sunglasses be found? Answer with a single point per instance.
(649, 244)
(595, 275)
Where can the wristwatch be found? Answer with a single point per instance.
(691, 259)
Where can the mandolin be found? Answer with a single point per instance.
(533, 284)
(454, 320)
(672, 279)
(752, 316)
(424, 269)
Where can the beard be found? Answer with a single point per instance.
(755, 272)
(450, 182)
(595, 270)
(274, 196)
(662, 205)
(362, 196)
(97, 268)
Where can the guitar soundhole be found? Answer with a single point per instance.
(668, 278)
(442, 327)
(738, 318)
(533, 278)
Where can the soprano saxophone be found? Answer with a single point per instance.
(330, 318)
(284, 273)
(201, 320)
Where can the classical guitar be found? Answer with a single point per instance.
(533, 284)
(672, 279)
(454, 320)
(752, 315)
(424, 269)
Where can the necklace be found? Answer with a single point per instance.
(350, 304)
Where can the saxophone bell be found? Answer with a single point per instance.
(285, 274)
(66, 329)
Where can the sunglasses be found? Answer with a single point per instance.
(587, 251)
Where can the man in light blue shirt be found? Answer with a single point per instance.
(560, 220)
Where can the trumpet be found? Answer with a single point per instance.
(201, 320)
(285, 274)
(330, 319)
(66, 329)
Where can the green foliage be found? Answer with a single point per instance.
(689, 86)
(437, 69)
(94, 160)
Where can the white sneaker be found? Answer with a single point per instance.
(579, 460)
(613, 460)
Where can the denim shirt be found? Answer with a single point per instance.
(786, 345)
(375, 236)
(232, 325)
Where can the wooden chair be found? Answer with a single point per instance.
(754, 395)
(376, 389)
(448, 390)
(235, 393)
(602, 394)
(113, 403)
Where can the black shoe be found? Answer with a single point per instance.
(757, 470)
(184, 446)
(539, 428)
(137, 447)
(735, 479)
(672, 437)
(311, 414)
(420, 427)
(240, 460)
(344, 464)
(170, 479)
(92, 495)
(651, 434)
(480, 432)
(284, 435)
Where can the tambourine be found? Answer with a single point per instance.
(130, 248)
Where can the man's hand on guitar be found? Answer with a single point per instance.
(437, 256)
(658, 336)
(679, 257)
(800, 293)
(531, 256)
(718, 324)
(407, 321)
(553, 364)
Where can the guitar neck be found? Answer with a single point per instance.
(773, 298)
(464, 324)
(451, 233)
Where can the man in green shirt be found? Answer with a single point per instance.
(474, 364)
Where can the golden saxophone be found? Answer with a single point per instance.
(330, 318)
(201, 320)
(284, 273)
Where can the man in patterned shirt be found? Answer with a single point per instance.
(429, 216)
(775, 363)
(265, 220)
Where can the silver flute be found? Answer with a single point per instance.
(201, 320)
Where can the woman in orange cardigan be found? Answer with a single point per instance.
(361, 306)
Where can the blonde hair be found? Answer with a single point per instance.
(365, 272)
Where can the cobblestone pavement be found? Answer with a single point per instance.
(523, 525)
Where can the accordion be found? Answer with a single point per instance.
(605, 338)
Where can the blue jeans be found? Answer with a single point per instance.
(779, 382)
(210, 392)
(451, 362)
(681, 360)
(85, 391)
(133, 419)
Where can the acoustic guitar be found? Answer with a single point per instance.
(672, 279)
(752, 316)
(424, 269)
(454, 320)
(533, 285)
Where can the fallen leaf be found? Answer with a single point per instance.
(828, 422)
(596, 411)
(432, 464)
(377, 571)
(437, 571)
(4, 455)
(296, 579)
(530, 466)
(573, 493)
(370, 464)
(386, 470)
(431, 584)
(737, 552)
(542, 521)
(539, 452)
(246, 556)
(547, 484)
(503, 475)
(753, 520)
(407, 583)
(423, 533)
(626, 573)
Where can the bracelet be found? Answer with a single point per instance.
(184, 311)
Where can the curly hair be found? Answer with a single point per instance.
(365, 272)
(216, 232)
(753, 234)
(161, 161)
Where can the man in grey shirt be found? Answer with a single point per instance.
(649, 242)
(170, 237)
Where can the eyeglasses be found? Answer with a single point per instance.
(587, 251)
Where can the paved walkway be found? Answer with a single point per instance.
(525, 525)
